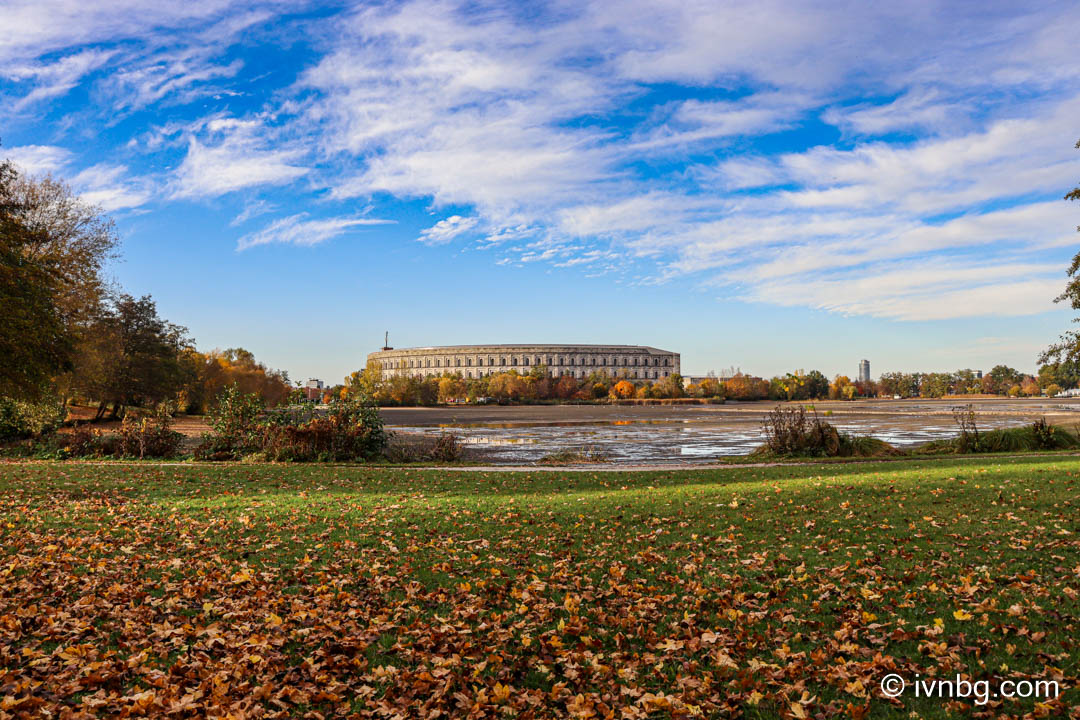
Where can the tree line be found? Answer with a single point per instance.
(68, 335)
(538, 385)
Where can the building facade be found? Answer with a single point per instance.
(864, 371)
(634, 362)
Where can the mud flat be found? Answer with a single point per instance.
(699, 433)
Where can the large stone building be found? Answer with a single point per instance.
(634, 362)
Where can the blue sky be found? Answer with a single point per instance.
(769, 185)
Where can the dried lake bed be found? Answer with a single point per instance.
(691, 434)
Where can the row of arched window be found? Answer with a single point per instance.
(636, 375)
(526, 361)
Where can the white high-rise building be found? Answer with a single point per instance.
(864, 371)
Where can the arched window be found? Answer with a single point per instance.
(525, 361)
(561, 360)
(502, 361)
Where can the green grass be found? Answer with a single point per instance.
(768, 591)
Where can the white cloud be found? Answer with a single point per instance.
(297, 230)
(917, 293)
(38, 159)
(446, 230)
(56, 78)
(239, 160)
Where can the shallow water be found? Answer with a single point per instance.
(663, 441)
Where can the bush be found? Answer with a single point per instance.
(350, 430)
(20, 419)
(445, 447)
(573, 457)
(233, 420)
(1040, 435)
(86, 441)
(148, 437)
(1044, 434)
(792, 432)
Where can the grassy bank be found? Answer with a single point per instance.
(771, 592)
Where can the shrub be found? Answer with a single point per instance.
(350, 430)
(1043, 433)
(445, 447)
(21, 419)
(149, 436)
(233, 420)
(1040, 435)
(793, 432)
(790, 431)
(968, 441)
(87, 441)
(570, 456)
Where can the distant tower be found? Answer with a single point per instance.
(386, 341)
(864, 371)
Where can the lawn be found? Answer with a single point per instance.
(315, 591)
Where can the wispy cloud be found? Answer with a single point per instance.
(236, 155)
(298, 230)
(38, 159)
(446, 230)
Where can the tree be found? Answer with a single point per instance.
(73, 238)
(1068, 346)
(146, 366)
(838, 390)
(816, 384)
(210, 373)
(710, 387)
(1002, 378)
(34, 341)
(623, 389)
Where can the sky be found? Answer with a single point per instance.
(770, 185)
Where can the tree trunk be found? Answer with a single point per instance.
(100, 411)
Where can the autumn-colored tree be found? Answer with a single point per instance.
(368, 382)
(566, 387)
(669, 387)
(210, 373)
(451, 388)
(34, 342)
(743, 387)
(710, 387)
(1052, 390)
(1030, 387)
(838, 388)
(623, 389)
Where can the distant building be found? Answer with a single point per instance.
(313, 390)
(633, 362)
(864, 371)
